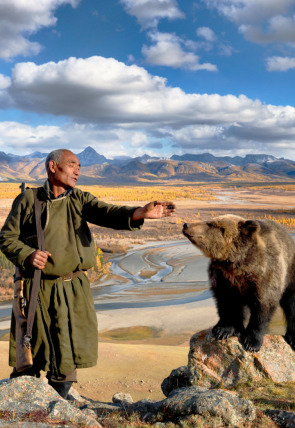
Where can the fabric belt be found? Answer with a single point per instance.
(67, 277)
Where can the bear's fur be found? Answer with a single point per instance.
(252, 265)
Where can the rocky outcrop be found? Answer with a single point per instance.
(231, 410)
(191, 394)
(27, 399)
(30, 400)
(223, 363)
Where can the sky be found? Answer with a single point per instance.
(156, 77)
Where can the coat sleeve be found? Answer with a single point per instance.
(108, 215)
(10, 243)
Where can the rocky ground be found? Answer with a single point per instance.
(196, 395)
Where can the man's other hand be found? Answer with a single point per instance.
(39, 258)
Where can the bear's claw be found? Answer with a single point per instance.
(251, 343)
(220, 332)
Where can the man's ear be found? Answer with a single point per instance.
(52, 166)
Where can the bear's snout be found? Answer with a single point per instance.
(184, 229)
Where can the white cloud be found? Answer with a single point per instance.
(149, 12)
(4, 81)
(167, 49)
(119, 106)
(250, 11)
(138, 139)
(206, 33)
(260, 21)
(278, 63)
(19, 19)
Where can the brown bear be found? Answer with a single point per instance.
(252, 265)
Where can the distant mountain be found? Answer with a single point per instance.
(36, 155)
(237, 160)
(187, 168)
(90, 157)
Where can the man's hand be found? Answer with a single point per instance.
(154, 210)
(38, 259)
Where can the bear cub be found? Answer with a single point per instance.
(252, 265)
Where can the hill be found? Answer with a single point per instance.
(96, 168)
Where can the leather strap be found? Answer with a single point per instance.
(37, 272)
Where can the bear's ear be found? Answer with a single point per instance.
(249, 228)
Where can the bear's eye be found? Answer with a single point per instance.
(210, 225)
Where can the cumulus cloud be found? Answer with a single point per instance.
(25, 139)
(260, 21)
(4, 81)
(206, 33)
(169, 50)
(150, 12)
(123, 107)
(19, 19)
(279, 63)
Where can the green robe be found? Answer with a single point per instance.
(65, 329)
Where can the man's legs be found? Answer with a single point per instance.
(62, 384)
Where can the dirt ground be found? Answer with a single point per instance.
(134, 369)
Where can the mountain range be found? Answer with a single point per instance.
(187, 168)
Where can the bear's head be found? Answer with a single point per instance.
(227, 237)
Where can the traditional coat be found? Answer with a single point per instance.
(65, 327)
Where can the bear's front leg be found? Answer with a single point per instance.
(252, 338)
(230, 310)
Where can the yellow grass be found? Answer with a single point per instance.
(11, 190)
(149, 193)
(127, 193)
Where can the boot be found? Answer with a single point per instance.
(61, 387)
(28, 372)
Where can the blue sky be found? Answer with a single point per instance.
(161, 77)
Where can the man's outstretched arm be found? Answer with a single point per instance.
(154, 210)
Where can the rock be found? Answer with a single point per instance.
(122, 398)
(144, 407)
(282, 418)
(178, 378)
(227, 406)
(222, 363)
(28, 399)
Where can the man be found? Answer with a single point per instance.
(65, 328)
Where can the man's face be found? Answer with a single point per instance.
(66, 173)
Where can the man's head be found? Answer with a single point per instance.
(63, 168)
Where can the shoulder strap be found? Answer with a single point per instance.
(37, 272)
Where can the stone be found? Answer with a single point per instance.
(122, 398)
(178, 378)
(28, 399)
(224, 363)
(228, 406)
(282, 418)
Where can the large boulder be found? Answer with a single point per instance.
(28, 399)
(223, 363)
(227, 406)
